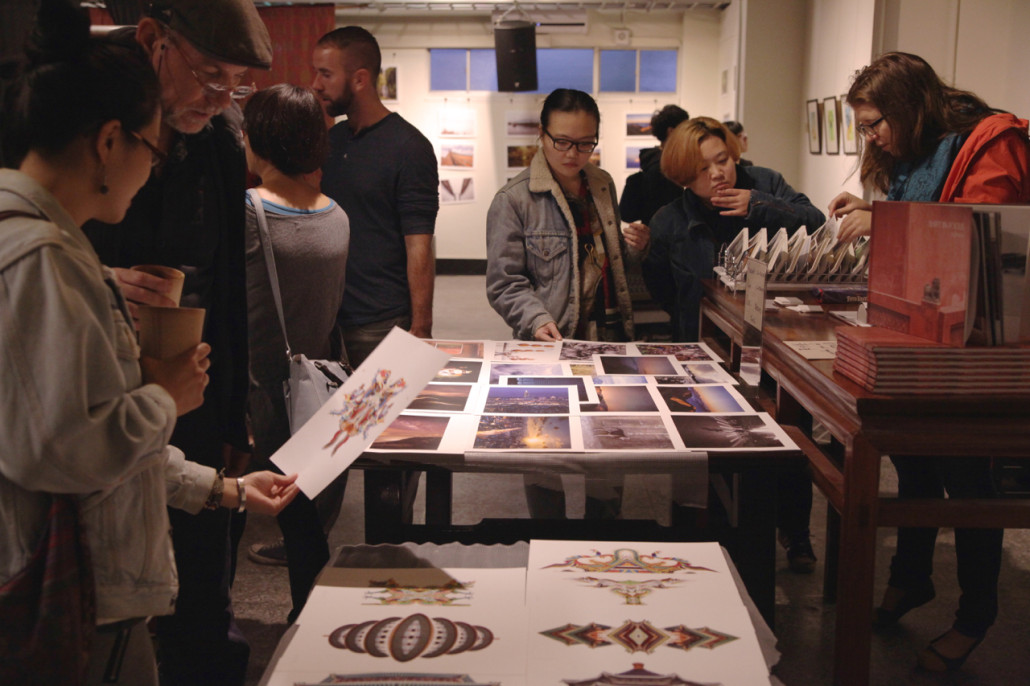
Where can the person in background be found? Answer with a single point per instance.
(647, 190)
(737, 129)
(926, 141)
(84, 414)
(286, 142)
(190, 216)
(556, 258)
(720, 199)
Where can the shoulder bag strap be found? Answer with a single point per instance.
(266, 243)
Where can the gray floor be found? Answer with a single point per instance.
(804, 623)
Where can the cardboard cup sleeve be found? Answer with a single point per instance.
(176, 277)
(165, 332)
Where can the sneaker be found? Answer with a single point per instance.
(273, 554)
(800, 555)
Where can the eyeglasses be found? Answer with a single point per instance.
(564, 144)
(213, 89)
(869, 129)
(156, 154)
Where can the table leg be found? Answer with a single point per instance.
(439, 496)
(389, 497)
(755, 539)
(856, 572)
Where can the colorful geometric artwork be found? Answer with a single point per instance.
(638, 637)
(392, 593)
(627, 561)
(406, 638)
(638, 676)
(365, 408)
(632, 592)
(396, 679)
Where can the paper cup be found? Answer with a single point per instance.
(171, 274)
(165, 332)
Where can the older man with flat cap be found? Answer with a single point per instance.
(190, 216)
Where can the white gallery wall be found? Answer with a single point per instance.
(405, 43)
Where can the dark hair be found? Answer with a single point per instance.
(666, 119)
(360, 46)
(568, 100)
(735, 127)
(285, 125)
(917, 105)
(72, 84)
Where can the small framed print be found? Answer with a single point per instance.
(831, 121)
(847, 127)
(815, 127)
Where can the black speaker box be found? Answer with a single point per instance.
(515, 47)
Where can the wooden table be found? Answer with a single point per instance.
(869, 426)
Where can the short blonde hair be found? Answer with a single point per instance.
(681, 154)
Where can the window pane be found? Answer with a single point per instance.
(619, 70)
(658, 71)
(482, 70)
(565, 68)
(447, 70)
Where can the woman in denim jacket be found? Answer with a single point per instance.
(556, 259)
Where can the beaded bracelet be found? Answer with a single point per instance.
(214, 498)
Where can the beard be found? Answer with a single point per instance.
(338, 106)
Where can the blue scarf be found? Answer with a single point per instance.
(923, 180)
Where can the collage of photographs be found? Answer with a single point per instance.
(579, 396)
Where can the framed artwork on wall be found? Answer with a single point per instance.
(638, 124)
(815, 127)
(847, 127)
(831, 119)
(386, 84)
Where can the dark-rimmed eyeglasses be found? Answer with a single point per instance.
(212, 88)
(869, 129)
(564, 144)
(157, 156)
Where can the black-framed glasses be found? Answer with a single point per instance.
(564, 144)
(157, 156)
(212, 88)
(869, 129)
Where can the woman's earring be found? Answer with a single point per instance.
(103, 183)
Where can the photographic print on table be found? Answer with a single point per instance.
(499, 369)
(638, 124)
(633, 156)
(412, 432)
(700, 399)
(457, 155)
(585, 391)
(518, 123)
(703, 373)
(621, 398)
(613, 379)
(815, 127)
(502, 432)
(847, 127)
(456, 191)
(528, 400)
(442, 397)
(473, 349)
(582, 369)
(728, 432)
(614, 432)
(526, 351)
(457, 122)
(519, 156)
(832, 121)
(459, 371)
(386, 84)
(585, 350)
(637, 364)
(684, 352)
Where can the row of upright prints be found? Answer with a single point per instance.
(579, 396)
(830, 124)
(582, 613)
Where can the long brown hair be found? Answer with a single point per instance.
(919, 107)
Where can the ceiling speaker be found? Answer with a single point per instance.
(515, 47)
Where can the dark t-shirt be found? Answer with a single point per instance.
(385, 178)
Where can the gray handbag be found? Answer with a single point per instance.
(311, 382)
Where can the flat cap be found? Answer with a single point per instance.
(226, 30)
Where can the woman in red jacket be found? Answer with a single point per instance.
(925, 141)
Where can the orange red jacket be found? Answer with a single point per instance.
(993, 166)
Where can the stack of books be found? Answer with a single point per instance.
(885, 361)
(949, 301)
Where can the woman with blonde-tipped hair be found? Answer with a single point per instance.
(720, 198)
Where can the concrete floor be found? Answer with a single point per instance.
(804, 623)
